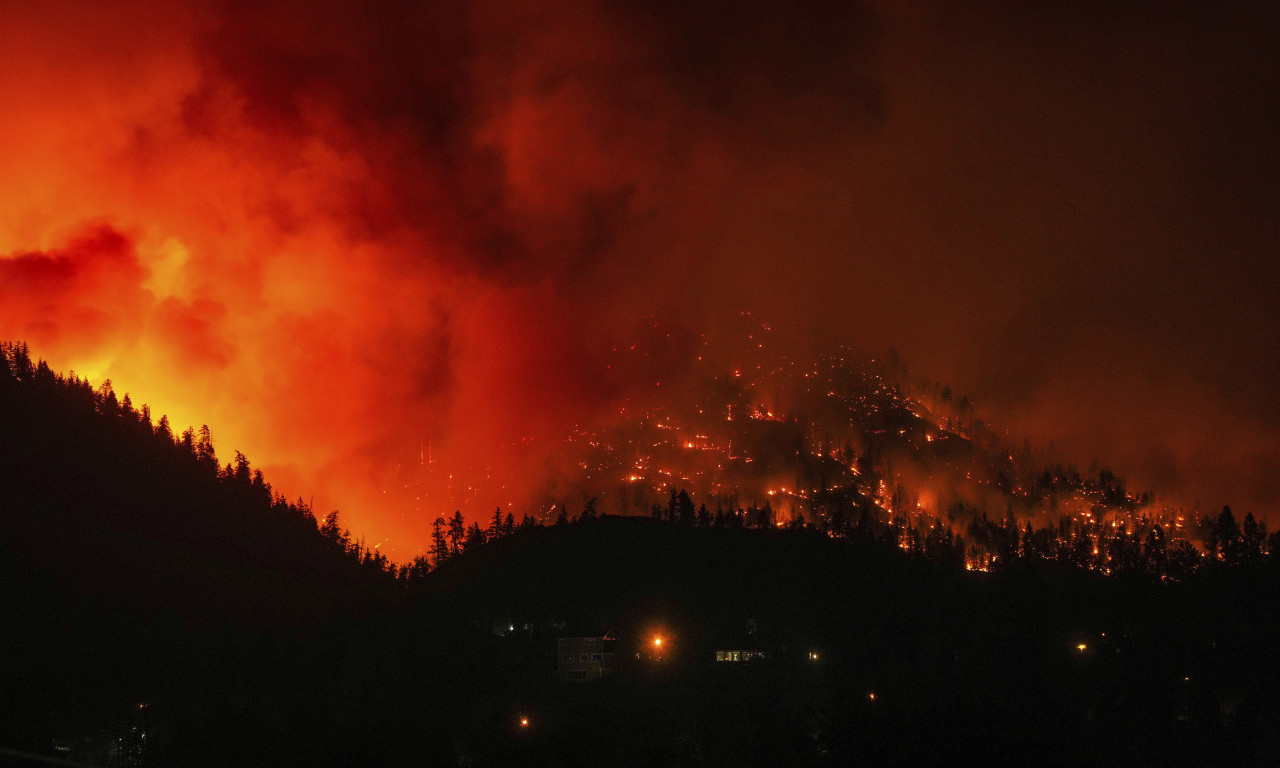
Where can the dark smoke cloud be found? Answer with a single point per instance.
(87, 290)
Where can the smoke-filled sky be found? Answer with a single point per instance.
(336, 230)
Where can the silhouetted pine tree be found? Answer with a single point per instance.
(440, 549)
(1230, 540)
(457, 532)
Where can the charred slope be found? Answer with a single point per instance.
(825, 439)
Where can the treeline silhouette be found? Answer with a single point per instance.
(137, 476)
(1137, 546)
(139, 570)
(151, 589)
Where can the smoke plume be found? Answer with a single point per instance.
(353, 237)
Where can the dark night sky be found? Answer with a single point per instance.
(327, 228)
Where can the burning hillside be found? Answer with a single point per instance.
(830, 441)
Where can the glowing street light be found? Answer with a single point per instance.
(657, 648)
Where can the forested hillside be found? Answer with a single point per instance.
(143, 578)
(165, 608)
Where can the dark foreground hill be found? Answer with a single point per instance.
(160, 610)
(871, 655)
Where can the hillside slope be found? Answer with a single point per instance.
(147, 591)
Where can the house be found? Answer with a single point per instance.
(739, 646)
(509, 627)
(582, 659)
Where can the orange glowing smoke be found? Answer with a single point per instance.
(347, 237)
(254, 272)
